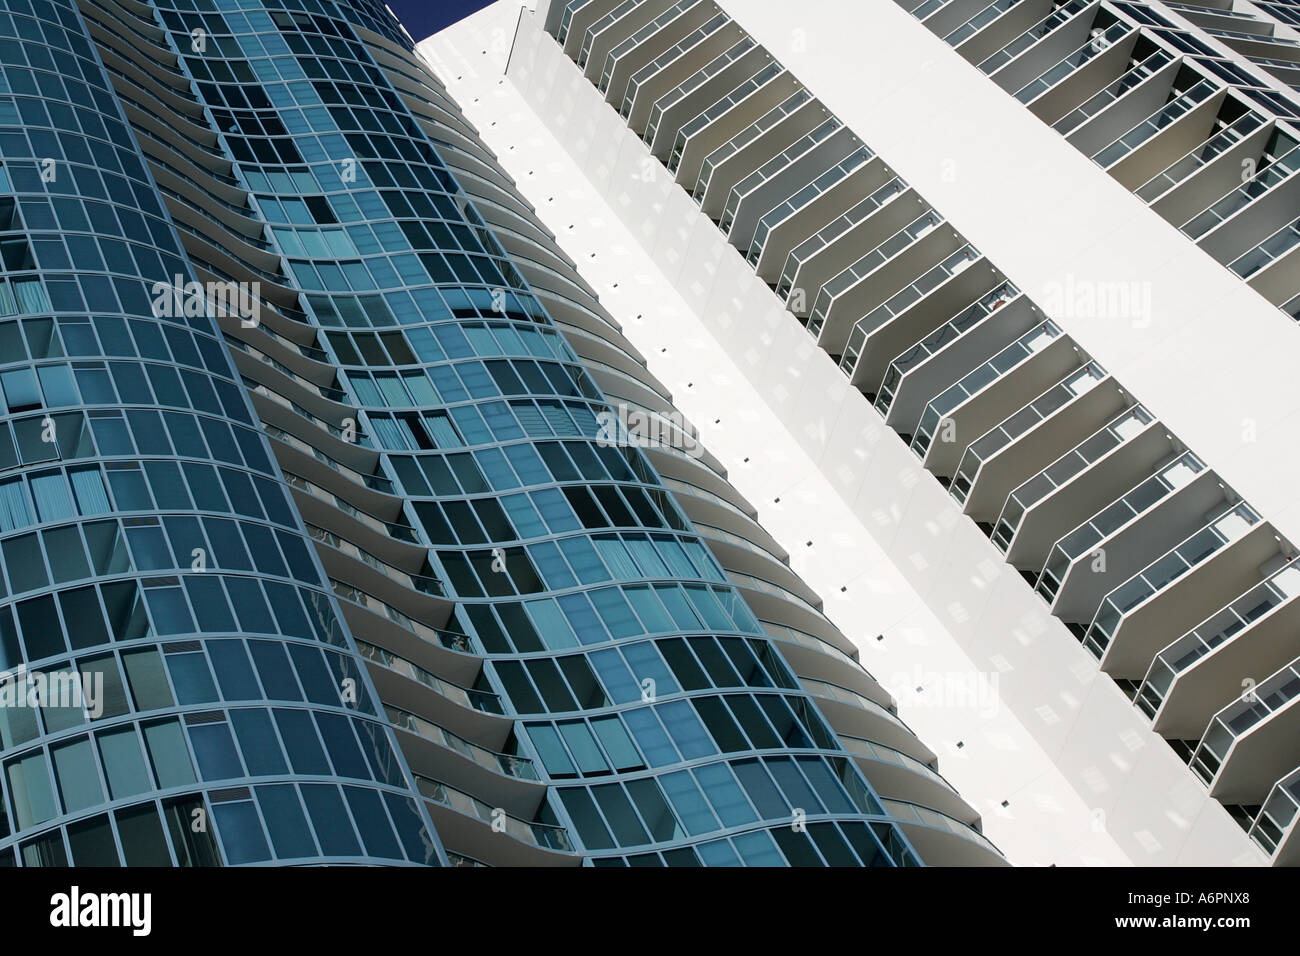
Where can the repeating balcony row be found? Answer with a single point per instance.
(1137, 545)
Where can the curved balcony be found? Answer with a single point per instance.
(639, 388)
(253, 254)
(411, 594)
(271, 404)
(728, 511)
(851, 714)
(699, 471)
(199, 151)
(516, 842)
(896, 776)
(473, 714)
(407, 581)
(304, 364)
(141, 25)
(235, 215)
(752, 583)
(291, 450)
(143, 87)
(508, 781)
(428, 102)
(602, 347)
(139, 12)
(621, 388)
(451, 657)
(793, 637)
(566, 312)
(325, 401)
(772, 603)
(528, 244)
(466, 163)
(525, 229)
(157, 149)
(941, 839)
(201, 246)
(737, 553)
(810, 656)
(318, 504)
(240, 229)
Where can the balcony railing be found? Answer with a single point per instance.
(1136, 75)
(1277, 815)
(1268, 251)
(750, 133)
(1095, 46)
(1132, 504)
(882, 253)
(542, 835)
(902, 300)
(593, 31)
(969, 317)
(698, 35)
(1075, 461)
(694, 82)
(480, 700)
(1242, 716)
(1264, 180)
(1031, 36)
(834, 230)
(1000, 436)
(697, 123)
(1024, 348)
(836, 174)
(1178, 172)
(1222, 626)
(773, 166)
(1179, 105)
(512, 765)
(1162, 572)
(979, 21)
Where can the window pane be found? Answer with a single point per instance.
(241, 832)
(29, 787)
(123, 762)
(286, 821)
(92, 843)
(170, 756)
(141, 833)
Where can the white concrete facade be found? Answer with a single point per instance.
(1084, 777)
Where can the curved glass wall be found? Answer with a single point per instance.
(178, 687)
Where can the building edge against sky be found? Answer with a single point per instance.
(1185, 493)
(514, 637)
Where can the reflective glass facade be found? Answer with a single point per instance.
(149, 542)
(364, 574)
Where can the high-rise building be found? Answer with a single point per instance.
(339, 520)
(1009, 291)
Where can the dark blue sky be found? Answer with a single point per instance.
(423, 17)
